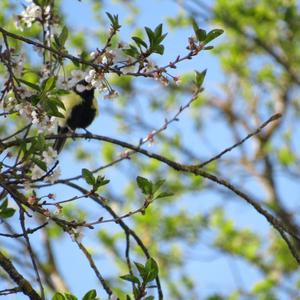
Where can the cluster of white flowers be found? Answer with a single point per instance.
(96, 80)
(49, 157)
(48, 124)
(31, 113)
(31, 13)
(17, 62)
(92, 77)
(28, 16)
(36, 117)
(69, 83)
(37, 173)
(107, 58)
(9, 104)
(54, 176)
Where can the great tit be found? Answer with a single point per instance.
(80, 110)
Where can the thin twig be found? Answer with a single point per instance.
(28, 231)
(94, 267)
(10, 291)
(30, 250)
(255, 132)
(101, 201)
(24, 284)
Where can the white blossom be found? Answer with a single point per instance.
(93, 54)
(54, 176)
(62, 83)
(95, 79)
(104, 59)
(35, 117)
(76, 75)
(29, 15)
(19, 64)
(49, 156)
(90, 76)
(10, 103)
(47, 12)
(37, 172)
(25, 110)
(111, 95)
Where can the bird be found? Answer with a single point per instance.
(80, 111)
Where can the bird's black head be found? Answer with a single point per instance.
(84, 90)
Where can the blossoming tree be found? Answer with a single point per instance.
(116, 190)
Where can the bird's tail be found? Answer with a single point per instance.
(60, 141)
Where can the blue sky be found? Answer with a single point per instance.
(204, 270)
(211, 272)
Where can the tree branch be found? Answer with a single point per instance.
(24, 285)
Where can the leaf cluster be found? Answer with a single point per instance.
(146, 274)
(142, 48)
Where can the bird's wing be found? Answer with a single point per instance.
(69, 101)
(60, 141)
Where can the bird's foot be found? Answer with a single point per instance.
(72, 132)
(88, 133)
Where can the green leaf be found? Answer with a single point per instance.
(132, 51)
(158, 184)
(136, 293)
(88, 176)
(145, 185)
(90, 295)
(195, 25)
(40, 163)
(30, 84)
(139, 41)
(141, 269)
(35, 99)
(110, 16)
(63, 36)
(51, 106)
(151, 268)
(7, 213)
(49, 84)
(200, 33)
(4, 204)
(57, 101)
(161, 38)
(58, 296)
(56, 42)
(150, 34)
(130, 278)
(213, 34)
(158, 30)
(100, 181)
(286, 156)
(200, 78)
(149, 298)
(70, 297)
(40, 3)
(61, 92)
(41, 141)
(163, 195)
(114, 19)
(159, 49)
